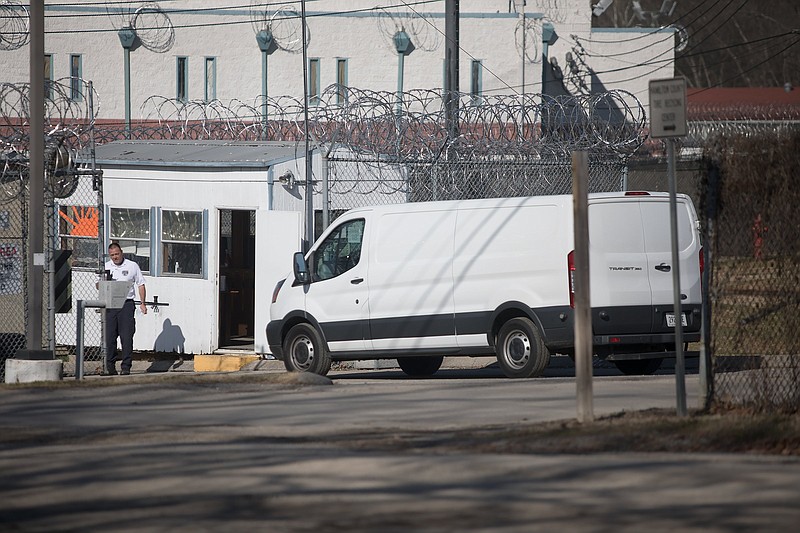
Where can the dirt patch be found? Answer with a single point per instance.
(653, 430)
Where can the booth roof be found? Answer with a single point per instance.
(191, 153)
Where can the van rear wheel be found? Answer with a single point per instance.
(521, 352)
(420, 366)
(639, 367)
(304, 351)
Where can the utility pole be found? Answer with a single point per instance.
(308, 178)
(35, 253)
(451, 67)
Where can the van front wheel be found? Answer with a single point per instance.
(521, 352)
(420, 366)
(304, 351)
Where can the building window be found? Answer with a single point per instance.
(48, 75)
(78, 230)
(76, 78)
(182, 79)
(130, 228)
(313, 81)
(476, 81)
(211, 79)
(341, 80)
(182, 243)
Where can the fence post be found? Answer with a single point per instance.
(79, 342)
(710, 208)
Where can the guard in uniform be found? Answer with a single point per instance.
(120, 322)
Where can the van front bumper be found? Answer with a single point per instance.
(274, 340)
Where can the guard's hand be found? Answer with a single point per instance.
(144, 308)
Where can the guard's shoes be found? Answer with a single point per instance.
(126, 372)
(111, 373)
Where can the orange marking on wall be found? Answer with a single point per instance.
(83, 222)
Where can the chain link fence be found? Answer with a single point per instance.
(13, 268)
(356, 183)
(750, 200)
(72, 205)
(74, 226)
(740, 175)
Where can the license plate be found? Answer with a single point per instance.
(671, 319)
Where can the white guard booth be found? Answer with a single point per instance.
(213, 226)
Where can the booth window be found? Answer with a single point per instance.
(77, 230)
(182, 243)
(130, 228)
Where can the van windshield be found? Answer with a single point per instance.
(339, 252)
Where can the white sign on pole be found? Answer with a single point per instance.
(668, 108)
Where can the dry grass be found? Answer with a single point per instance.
(647, 431)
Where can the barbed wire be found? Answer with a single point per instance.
(14, 30)
(554, 10)
(67, 122)
(527, 36)
(418, 26)
(148, 21)
(378, 129)
(282, 25)
(411, 126)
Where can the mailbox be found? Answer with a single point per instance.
(114, 293)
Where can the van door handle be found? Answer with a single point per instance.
(356, 281)
(663, 267)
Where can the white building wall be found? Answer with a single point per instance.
(345, 29)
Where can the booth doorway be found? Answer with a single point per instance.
(237, 268)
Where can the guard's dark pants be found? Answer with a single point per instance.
(120, 322)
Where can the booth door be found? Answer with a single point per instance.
(237, 244)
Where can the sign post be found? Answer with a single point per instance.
(668, 120)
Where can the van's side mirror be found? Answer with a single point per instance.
(300, 269)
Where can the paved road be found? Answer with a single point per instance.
(223, 453)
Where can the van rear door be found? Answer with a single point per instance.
(620, 285)
(658, 247)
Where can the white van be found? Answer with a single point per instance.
(421, 281)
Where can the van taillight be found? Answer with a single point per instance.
(277, 290)
(702, 261)
(571, 275)
(637, 193)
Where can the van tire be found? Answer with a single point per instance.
(639, 367)
(304, 351)
(420, 366)
(521, 352)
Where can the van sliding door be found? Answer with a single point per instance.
(411, 281)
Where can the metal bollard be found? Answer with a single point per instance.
(79, 333)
